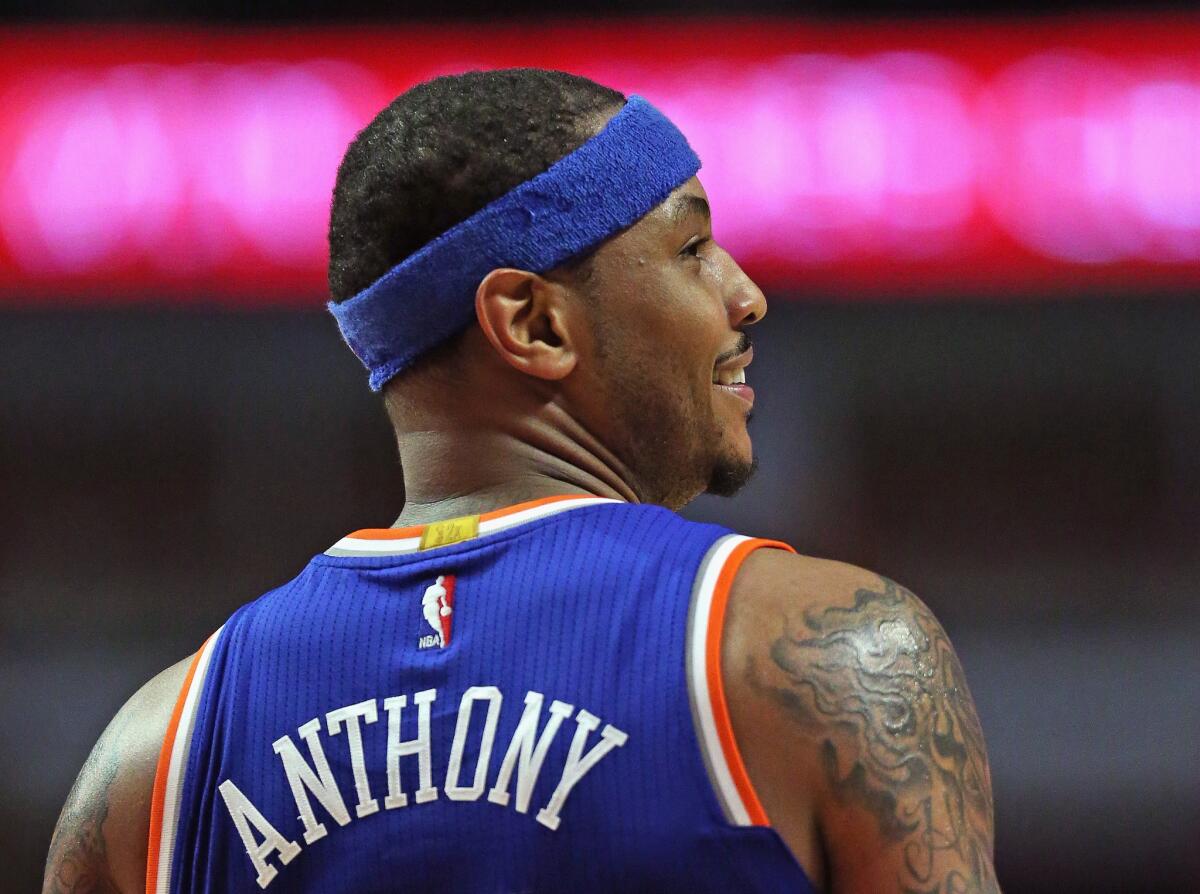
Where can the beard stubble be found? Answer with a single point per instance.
(671, 440)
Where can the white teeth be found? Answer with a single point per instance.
(730, 377)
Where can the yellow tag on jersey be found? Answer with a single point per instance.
(452, 530)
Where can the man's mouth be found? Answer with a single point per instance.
(730, 376)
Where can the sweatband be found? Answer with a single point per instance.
(601, 188)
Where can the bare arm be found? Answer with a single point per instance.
(78, 858)
(880, 772)
(100, 841)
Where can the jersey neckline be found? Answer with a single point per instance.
(395, 541)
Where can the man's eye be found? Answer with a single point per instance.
(693, 248)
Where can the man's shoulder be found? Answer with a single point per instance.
(853, 714)
(829, 628)
(100, 841)
(770, 577)
(822, 595)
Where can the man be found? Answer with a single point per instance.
(541, 679)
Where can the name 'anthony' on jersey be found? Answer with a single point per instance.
(524, 700)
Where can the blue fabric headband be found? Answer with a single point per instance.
(601, 188)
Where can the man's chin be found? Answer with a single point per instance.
(729, 476)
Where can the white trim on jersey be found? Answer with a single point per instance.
(361, 546)
(177, 768)
(697, 677)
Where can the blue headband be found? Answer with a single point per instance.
(601, 188)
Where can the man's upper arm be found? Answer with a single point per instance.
(100, 841)
(847, 699)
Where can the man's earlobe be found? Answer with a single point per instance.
(524, 317)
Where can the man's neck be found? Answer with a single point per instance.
(447, 476)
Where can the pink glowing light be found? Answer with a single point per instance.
(904, 163)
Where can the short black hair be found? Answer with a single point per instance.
(445, 149)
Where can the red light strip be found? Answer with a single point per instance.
(849, 160)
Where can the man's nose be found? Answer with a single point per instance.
(746, 304)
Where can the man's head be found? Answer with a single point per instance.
(624, 345)
(444, 149)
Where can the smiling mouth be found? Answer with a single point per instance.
(732, 370)
(730, 377)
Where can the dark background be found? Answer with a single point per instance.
(1030, 467)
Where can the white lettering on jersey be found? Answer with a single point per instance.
(453, 790)
(579, 763)
(303, 779)
(525, 756)
(420, 746)
(350, 715)
(245, 815)
(523, 748)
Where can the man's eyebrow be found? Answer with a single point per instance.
(686, 205)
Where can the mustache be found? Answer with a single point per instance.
(745, 343)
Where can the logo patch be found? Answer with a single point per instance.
(452, 530)
(438, 607)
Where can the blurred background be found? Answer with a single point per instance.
(979, 228)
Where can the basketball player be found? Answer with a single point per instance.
(542, 679)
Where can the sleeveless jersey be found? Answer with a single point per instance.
(524, 701)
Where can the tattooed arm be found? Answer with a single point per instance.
(100, 842)
(857, 728)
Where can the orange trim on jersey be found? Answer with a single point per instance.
(716, 687)
(160, 776)
(415, 530)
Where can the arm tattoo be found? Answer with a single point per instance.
(78, 860)
(907, 745)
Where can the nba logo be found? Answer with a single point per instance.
(438, 607)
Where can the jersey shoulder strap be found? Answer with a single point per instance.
(706, 691)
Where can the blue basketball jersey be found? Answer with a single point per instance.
(524, 701)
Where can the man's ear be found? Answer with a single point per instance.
(525, 318)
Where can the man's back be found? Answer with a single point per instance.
(724, 728)
(512, 712)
